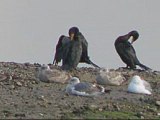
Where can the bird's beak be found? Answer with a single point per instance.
(132, 40)
(72, 36)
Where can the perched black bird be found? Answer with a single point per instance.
(72, 50)
(126, 51)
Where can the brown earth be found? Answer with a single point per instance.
(24, 96)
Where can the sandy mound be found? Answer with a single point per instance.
(24, 96)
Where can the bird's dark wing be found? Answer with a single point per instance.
(84, 57)
(129, 49)
(66, 53)
(127, 53)
(131, 53)
(63, 40)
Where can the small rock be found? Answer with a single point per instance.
(25, 85)
(92, 107)
(6, 113)
(33, 82)
(140, 115)
(116, 106)
(3, 77)
(41, 114)
(10, 78)
(142, 98)
(41, 97)
(158, 103)
(158, 114)
(152, 109)
(20, 115)
(100, 109)
(12, 86)
(19, 83)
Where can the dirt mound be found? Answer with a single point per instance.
(24, 96)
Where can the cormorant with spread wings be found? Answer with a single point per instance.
(72, 50)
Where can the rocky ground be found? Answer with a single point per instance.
(24, 96)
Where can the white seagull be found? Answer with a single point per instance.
(137, 85)
(75, 87)
(46, 74)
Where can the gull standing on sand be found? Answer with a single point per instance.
(75, 87)
(137, 85)
(48, 75)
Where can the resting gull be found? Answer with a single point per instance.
(75, 87)
(46, 74)
(107, 77)
(137, 85)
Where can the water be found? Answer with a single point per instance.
(29, 29)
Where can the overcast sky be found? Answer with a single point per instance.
(29, 29)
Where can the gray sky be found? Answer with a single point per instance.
(29, 29)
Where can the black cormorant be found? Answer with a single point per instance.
(126, 51)
(72, 50)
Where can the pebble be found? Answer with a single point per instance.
(158, 103)
(142, 98)
(41, 98)
(12, 86)
(100, 109)
(93, 106)
(152, 109)
(33, 82)
(20, 115)
(140, 115)
(19, 83)
(41, 114)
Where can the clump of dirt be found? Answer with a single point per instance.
(24, 96)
